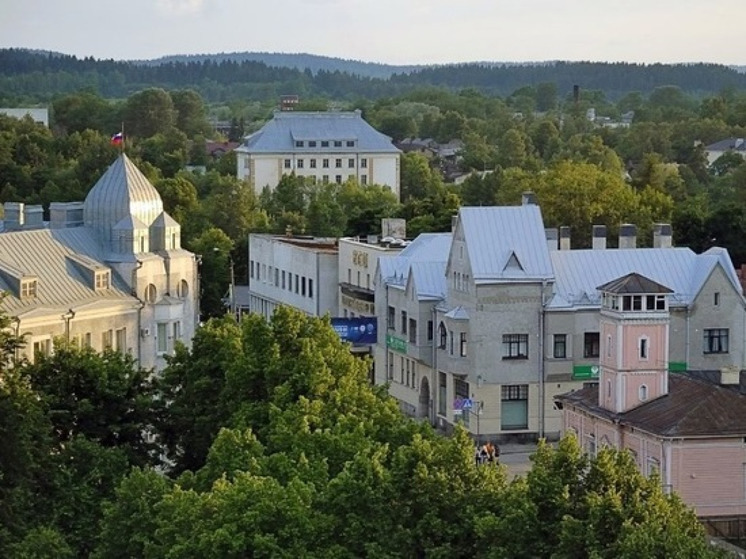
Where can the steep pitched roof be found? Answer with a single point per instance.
(578, 273)
(428, 248)
(506, 243)
(693, 407)
(281, 133)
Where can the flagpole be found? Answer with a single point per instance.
(122, 136)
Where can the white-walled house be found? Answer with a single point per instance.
(327, 146)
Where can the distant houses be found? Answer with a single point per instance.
(721, 147)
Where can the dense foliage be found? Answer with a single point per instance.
(274, 444)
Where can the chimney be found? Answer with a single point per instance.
(599, 237)
(528, 199)
(33, 217)
(454, 220)
(662, 236)
(13, 215)
(627, 236)
(564, 241)
(552, 236)
(65, 214)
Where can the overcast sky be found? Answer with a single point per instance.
(390, 31)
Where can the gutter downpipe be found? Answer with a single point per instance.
(433, 369)
(140, 307)
(542, 387)
(688, 337)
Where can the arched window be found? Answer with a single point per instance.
(183, 289)
(150, 293)
(442, 336)
(643, 392)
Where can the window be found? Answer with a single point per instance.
(442, 336)
(325, 179)
(560, 346)
(106, 339)
(162, 337)
(299, 164)
(87, 340)
(655, 302)
(121, 340)
(442, 393)
(277, 278)
(287, 164)
(412, 330)
(296, 283)
(391, 320)
(642, 392)
(338, 163)
(312, 143)
(716, 340)
(608, 346)
(251, 269)
(183, 290)
(390, 372)
(429, 330)
(28, 288)
(177, 330)
(591, 344)
(310, 288)
(324, 143)
(450, 340)
(303, 286)
(653, 466)
(325, 163)
(350, 143)
(338, 179)
(515, 346)
(644, 347)
(337, 143)
(299, 143)
(364, 163)
(591, 445)
(462, 345)
(363, 179)
(43, 347)
(351, 163)
(403, 322)
(313, 163)
(514, 407)
(716, 299)
(151, 293)
(102, 280)
(283, 279)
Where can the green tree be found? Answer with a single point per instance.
(191, 114)
(149, 112)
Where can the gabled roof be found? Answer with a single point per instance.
(280, 134)
(429, 279)
(494, 235)
(693, 407)
(633, 283)
(578, 273)
(428, 248)
(734, 144)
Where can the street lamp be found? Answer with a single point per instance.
(67, 317)
(232, 287)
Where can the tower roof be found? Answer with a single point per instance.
(634, 283)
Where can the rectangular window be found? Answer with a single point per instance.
(337, 143)
(514, 407)
(107, 339)
(162, 337)
(462, 344)
(515, 346)
(177, 330)
(350, 143)
(716, 340)
(404, 322)
(338, 163)
(338, 179)
(390, 322)
(442, 394)
(429, 330)
(251, 269)
(28, 289)
(283, 279)
(560, 346)
(313, 163)
(87, 340)
(412, 330)
(287, 164)
(310, 288)
(312, 143)
(324, 143)
(303, 286)
(297, 283)
(643, 348)
(43, 347)
(363, 179)
(299, 143)
(325, 163)
(390, 372)
(277, 278)
(351, 163)
(716, 299)
(300, 164)
(102, 280)
(121, 340)
(591, 343)
(450, 341)
(364, 163)
(325, 179)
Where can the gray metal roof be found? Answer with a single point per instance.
(60, 284)
(429, 248)
(280, 134)
(578, 273)
(429, 279)
(734, 144)
(121, 192)
(506, 243)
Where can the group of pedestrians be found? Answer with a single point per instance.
(488, 453)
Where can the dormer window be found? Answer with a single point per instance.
(28, 288)
(103, 280)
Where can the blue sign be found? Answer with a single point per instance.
(358, 330)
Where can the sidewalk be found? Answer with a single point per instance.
(516, 458)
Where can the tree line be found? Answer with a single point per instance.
(267, 440)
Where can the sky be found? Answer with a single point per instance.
(386, 31)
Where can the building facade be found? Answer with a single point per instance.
(688, 427)
(506, 317)
(108, 272)
(325, 146)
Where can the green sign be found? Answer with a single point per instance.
(677, 366)
(583, 372)
(396, 344)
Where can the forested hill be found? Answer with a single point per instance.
(27, 76)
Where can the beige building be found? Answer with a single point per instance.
(108, 272)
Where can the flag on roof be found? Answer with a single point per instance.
(117, 139)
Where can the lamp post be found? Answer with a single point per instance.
(67, 317)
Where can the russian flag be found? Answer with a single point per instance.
(117, 139)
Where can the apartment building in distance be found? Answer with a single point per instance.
(108, 272)
(325, 146)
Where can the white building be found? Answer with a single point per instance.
(327, 146)
(40, 115)
(296, 272)
(105, 273)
